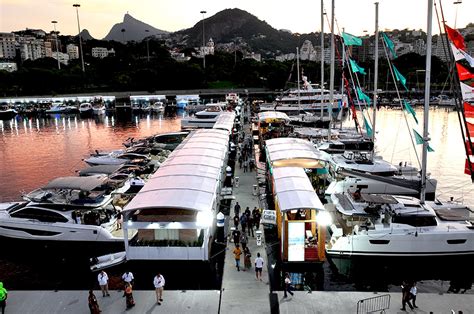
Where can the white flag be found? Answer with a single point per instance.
(467, 92)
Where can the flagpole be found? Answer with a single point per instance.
(427, 101)
(322, 60)
(339, 115)
(298, 74)
(376, 71)
(331, 81)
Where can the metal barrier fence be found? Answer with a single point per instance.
(375, 304)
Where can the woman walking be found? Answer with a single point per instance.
(129, 301)
(247, 256)
(93, 304)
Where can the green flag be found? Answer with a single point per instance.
(351, 40)
(355, 67)
(400, 77)
(363, 96)
(409, 108)
(368, 128)
(389, 44)
(430, 149)
(418, 137)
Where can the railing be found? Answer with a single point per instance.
(375, 304)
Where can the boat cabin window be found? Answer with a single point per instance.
(415, 220)
(39, 214)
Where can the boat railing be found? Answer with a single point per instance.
(374, 304)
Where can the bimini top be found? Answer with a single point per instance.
(272, 116)
(293, 190)
(76, 183)
(100, 169)
(225, 121)
(293, 152)
(190, 176)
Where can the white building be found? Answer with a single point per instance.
(307, 51)
(255, 56)
(31, 48)
(208, 49)
(72, 51)
(8, 66)
(63, 57)
(419, 46)
(100, 52)
(7, 46)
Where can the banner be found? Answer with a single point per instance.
(467, 92)
(455, 37)
(467, 170)
(464, 74)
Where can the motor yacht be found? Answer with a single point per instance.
(205, 118)
(118, 159)
(86, 109)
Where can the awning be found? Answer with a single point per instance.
(273, 116)
(225, 121)
(293, 152)
(101, 169)
(76, 183)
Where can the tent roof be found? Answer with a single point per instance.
(225, 121)
(76, 183)
(287, 152)
(272, 116)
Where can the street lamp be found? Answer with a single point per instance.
(80, 37)
(147, 47)
(203, 42)
(456, 16)
(57, 47)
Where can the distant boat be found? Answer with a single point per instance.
(99, 109)
(7, 113)
(60, 107)
(182, 101)
(86, 109)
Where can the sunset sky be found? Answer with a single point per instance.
(303, 16)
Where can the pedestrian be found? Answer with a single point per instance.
(406, 296)
(244, 240)
(236, 236)
(258, 267)
(236, 221)
(159, 283)
(243, 222)
(127, 278)
(256, 218)
(413, 292)
(247, 256)
(247, 212)
(237, 209)
(246, 166)
(3, 297)
(251, 164)
(129, 301)
(237, 252)
(103, 279)
(240, 161)
(119, 220)
(250, 225)
(93, 304)
(288, 286)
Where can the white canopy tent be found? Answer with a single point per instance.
(225, 121)
(293, 152)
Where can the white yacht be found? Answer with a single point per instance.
(205, 118)
(117, 158)
(86, 109)
(60, 107)
(98, 109)
(385, 226)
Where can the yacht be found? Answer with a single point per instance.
(60, 107)
(205, 118)
(182, 101)
(372, 226)
(7, 113)
(86, 109)
(99, 109)
(117, 158)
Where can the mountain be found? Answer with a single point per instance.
(85, 35)
(133, 30)
(235, 25)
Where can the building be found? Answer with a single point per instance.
(63, 57)
(100, 52)
(255, 56)
(7, 46)
(31, 48)
(72, 51)
(8, 66)
(208, 49)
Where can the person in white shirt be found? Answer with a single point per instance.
(127, 277)
(159, 283)
(103, 280)
(287, 285)
(258, 267)
(413, 292)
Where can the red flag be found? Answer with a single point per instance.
(455, 37)
(468, 147)
(464, 74)
(468, 110)
(467, 170)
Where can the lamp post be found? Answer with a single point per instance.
(57, 47)
(147, 46)
(80, 37)
(203, 42)
(456, 16)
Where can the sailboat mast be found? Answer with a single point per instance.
(331, 79)
(424, 157)
(376, 72)
(298, 75)
(322, 59)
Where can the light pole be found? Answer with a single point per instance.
(147, 47)
(57, 47)
(80, 37)
(123, 36)
(456, 16)
(203, 42)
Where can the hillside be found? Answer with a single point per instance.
(133, 30)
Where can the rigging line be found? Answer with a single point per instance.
(400, 100)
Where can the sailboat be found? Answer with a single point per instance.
(397, 229)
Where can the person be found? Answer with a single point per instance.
(103, 279)
(413, 292)
(243, 222)
(357, 194)
(244, 240)
(247, 212)
(250, 225)
(74, 216)
(119, 220)
(237, 252)
(127, 278)
(240, 161)
(258, 267)
(236, 236)
(3, 297)
(246, 165)
(406, 296)
(93, 304)
(129, 301)
(256, 218)
(159, 283)
(236, 221)
(237, 209)
(247, 256)
(288, 286)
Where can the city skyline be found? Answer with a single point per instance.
(98, 17)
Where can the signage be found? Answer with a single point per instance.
(269, 217)
(296, 241)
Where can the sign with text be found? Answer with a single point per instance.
(295, 241)
(269, 217)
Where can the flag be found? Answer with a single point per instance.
(409, 108)
(419, 140)
(355, 67)
(389, 44)
(400, 77)
(368, 128)
(468, 58)
(456, 53)
(467, 91)
(363, 96)
(351, 40)
(464, 74)
(467, 169)
(455, 37)
(469, 114)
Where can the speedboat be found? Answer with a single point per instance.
(182, 101)
(98, 109)
(60, 107)
(372, 226)
(86, 109)
(118, 159)
(157, 107)
(205, 118)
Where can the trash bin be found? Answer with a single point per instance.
(236, 182)
(255, 189)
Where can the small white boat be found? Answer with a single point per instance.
(117, 159)
(86, 109)
(157, 107)
(99, 109)
(108, 260)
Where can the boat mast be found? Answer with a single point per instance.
(298, 74)
(331, 80)
(322, 59)
(427, 100)
(376, 70)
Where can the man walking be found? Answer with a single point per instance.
(236, 236)
(250, 225)
(243, 222)
(288, 286)
(127, 278)
(256, 217)
(159, 283)
(237, 252)
(258, 267)
(3, 297)
(244, 240)
(103, 280)
(237, 209)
